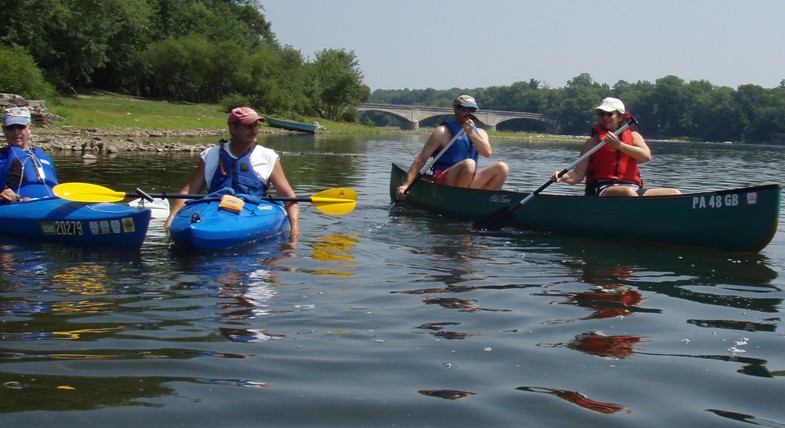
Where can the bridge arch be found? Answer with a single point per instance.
(411, 116)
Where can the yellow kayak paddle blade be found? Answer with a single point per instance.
(87, 192)
(335, 201)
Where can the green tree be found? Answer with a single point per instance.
(336, 81)
(21, 75)
(573, 104)
(70, 39)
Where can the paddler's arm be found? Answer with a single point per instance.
(479, 138)
(638, 150)
(438, 138)
(282, 188)
(579, 172)
(195, 186)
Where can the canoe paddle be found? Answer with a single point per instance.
(335, 201)
(501, 217)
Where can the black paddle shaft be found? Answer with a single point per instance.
(501, 217)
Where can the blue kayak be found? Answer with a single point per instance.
(61, 220)
(203, 224)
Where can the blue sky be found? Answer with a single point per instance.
(420, 44)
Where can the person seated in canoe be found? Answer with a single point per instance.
(243, 166)
(613, 169)
(25, 172)
(458, 164)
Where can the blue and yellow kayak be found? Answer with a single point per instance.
(60, 220)
(209, 224)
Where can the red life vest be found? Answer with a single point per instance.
(610, 164)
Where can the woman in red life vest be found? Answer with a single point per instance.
(613, 169)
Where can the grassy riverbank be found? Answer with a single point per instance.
(118, 113)
(115, 112)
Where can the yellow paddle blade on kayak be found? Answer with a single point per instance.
(87, 192)
(336, 201)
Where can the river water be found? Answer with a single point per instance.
(397, 317)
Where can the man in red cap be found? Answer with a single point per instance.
(242, 165)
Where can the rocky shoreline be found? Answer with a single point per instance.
(112, 142)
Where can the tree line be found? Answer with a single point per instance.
(224, 51)
(668, 108)
(211, 51)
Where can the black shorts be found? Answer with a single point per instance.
(598, 187)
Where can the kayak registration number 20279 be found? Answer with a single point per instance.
(68, 228)
(720, 201)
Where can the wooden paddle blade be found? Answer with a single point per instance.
(497, 219)
(87, 192)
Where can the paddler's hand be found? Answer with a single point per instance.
(400, 193)
(613, 141)
(9, 195)
(468, 126)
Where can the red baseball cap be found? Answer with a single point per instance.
(244, 115)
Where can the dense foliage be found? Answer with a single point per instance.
(667, 108)
(224, 51)
(185, 50)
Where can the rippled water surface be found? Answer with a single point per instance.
(397, 317)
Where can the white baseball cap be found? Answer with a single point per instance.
(611, 104)
(16, 116)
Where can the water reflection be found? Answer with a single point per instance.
(706, 277)
(444, 303)
(335, 250)
(70, 393)
(600, 345)
(243, 285)
(577, 398)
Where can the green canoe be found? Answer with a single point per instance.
(733, 220)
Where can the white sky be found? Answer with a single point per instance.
(419, 44)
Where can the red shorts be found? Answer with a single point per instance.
(439, 177)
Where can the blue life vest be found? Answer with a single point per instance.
(34, 173)
(237, 174)
(461, 149)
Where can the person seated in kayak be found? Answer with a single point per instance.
(25, 172)
(243, 166)
(458, 165)
(613, 169)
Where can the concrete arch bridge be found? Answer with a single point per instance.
(411, 116)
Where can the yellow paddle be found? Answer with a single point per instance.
(335, 201)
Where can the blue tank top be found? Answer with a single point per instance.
(461, 149)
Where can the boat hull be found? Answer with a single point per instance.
(742, 219)
(204, 225)
(292, 126)
(59, 220)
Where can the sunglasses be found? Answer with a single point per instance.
(605, 113)
(15, 127)
(469, 109)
